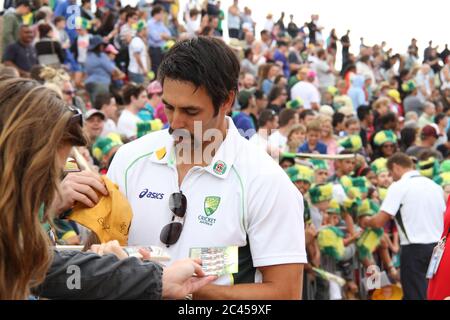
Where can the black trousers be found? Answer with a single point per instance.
(414, 261)
(156, 56)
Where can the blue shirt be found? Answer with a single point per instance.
(99, 68)
(279, 56)
(69, 10)
(155, 28)
(320, 147)
(267, 86)
(244, 124)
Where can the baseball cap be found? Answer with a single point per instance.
(154, 87)
(244, 97)
(93, 112)
(429, 131)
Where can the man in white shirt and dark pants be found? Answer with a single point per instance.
(417, 204)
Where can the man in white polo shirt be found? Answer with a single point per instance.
(417, 204)
(236, 196)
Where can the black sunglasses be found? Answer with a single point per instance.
(172, 231)
(77, 116)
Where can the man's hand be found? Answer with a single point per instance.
(178, 280)
(79, 187)
(110, 247)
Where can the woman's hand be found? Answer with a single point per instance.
(79, 187)
(183, 277)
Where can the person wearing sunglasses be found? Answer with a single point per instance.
(201, 184)
(35, 142)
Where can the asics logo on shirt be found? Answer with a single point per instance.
(152, 195)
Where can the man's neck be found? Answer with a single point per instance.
(284, 130)
(205, 157)
(132, 108)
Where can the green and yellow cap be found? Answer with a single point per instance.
(379, 165)
(385, 136)
(352, 143)
(321, 192)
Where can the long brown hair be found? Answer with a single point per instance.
(34, 123)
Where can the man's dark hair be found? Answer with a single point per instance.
(407, 138)
(439, 117)
(25, 3)
(44, 30)
(281, 43)
(275, 93)
(263, 33)
(101, 99)
(247, 52)
(259, 94)
(156, 10)
(363, 111)
(337, 118)
(388, 118)
(130, 14)
(401, 159)
(305, 113)
(286, 115)
(58, 19)
(267, 115)
(203, 61)
(131, 90)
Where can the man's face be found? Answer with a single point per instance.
(26, 35)
(141, 100)
(353, 128)
(261, 104)
(396, 172)
(384, 179)
(110, 109)
(321, 176)
(346, 165)
(94, 126)
(249, 81)
(272, 125)
(313, 137)
(308, 118)
(185, 105)
(302, 186)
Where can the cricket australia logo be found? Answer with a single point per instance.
(210, 206)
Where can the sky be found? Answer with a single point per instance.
(394, 21)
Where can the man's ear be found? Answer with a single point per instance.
(228, 104)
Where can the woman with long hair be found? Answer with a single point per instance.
(37, 132)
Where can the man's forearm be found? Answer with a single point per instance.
(253, 291)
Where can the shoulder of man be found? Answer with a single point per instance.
(144, 146)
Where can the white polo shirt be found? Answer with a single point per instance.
(256, 206)
(422, 207)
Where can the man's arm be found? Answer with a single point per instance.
(376, 221)
(22, 73)
(280, 282)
